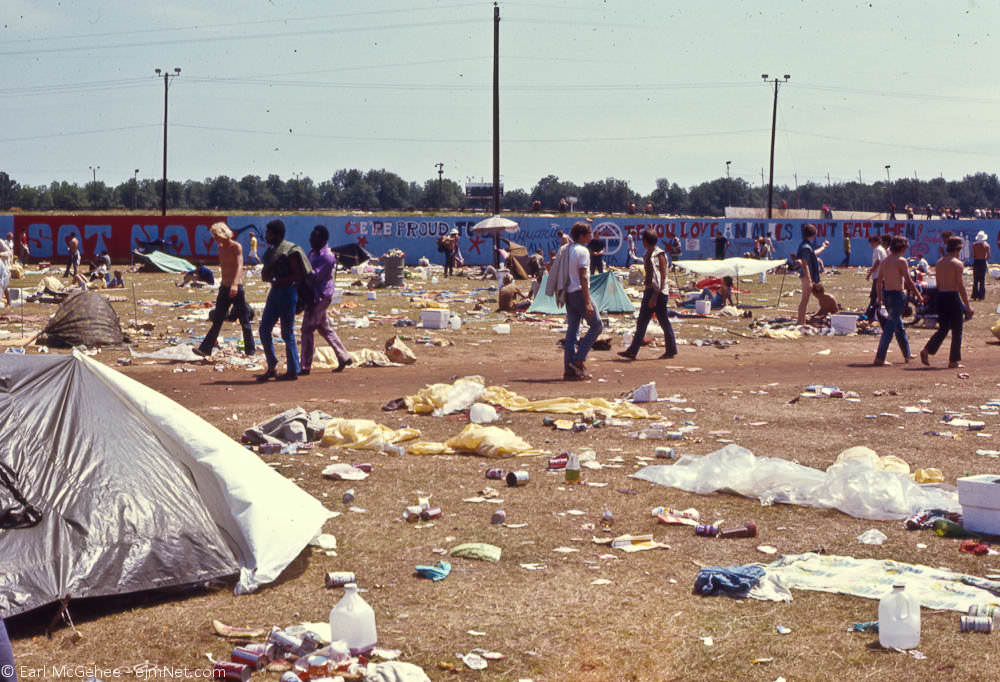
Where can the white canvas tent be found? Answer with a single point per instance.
(732, 267)
(134, 491)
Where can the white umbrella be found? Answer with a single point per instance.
(493, 226)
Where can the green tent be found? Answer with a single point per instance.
(605, 290)
(164, 262)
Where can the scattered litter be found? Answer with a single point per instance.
(872, 536)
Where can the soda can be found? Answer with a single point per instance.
(318, 666)
(262, 649)
(517, 478)
(665, 453)
(310, 641)
(339, 578)
(348, 497)
(747, 530)
(228, 670)
(430, 513)
(247, 657)
(364, 466)
(709, 530)
(495, 473)
(976, 624)
(499, 516)
(289, 676)
(283, 640)
(412, 513)
(607, 519)
(987, 611)
(558, 462)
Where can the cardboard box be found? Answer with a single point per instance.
(980, 500)
(434, 319)
(844, 324)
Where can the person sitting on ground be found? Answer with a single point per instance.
(827, 305)
(510, 299)
(724, 295)
(117, 282)
(199, 277)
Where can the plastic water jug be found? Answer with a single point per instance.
(353, 621)
(899, 620)
(455, 322)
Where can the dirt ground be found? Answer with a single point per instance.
(644, 623)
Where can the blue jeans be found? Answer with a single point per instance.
(8, 671)
(894, 303)
(575, 352)
(280, 306)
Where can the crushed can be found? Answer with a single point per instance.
(339, 578)
(748, 530)
(228, 670)
(495, 474)
(708, 530)
(499, 516)
(283, 640)
(430, 513)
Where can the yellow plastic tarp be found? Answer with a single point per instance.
(363, 434)
(434, 396)
(498, 395)
(325, 358)
(477, 439)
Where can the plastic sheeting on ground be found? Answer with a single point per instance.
(936, 588)
(442, 399)
(852, 484)
(364, 434)
(488, 441)
(182, 352)
(325, 358)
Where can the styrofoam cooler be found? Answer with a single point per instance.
(434, 319)
(703, 306)
(980, 500)
(844, 324)
(336, 296)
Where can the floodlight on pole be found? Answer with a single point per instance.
(166, 83)
(774, 120)
(135, 189)
(93, 170)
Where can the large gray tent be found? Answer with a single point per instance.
(133, 491)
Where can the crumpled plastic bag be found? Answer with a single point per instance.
(850, 485)
(442, 399)
(344, 471)
(182, 352)
(395, 671)
(435, 573)
(490, 441)
(477, 550)
(872, 536)
(872, 459)
(364, 434)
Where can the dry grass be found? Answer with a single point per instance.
(553, 624)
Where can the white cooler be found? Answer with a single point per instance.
(980, 500)
(434, 319)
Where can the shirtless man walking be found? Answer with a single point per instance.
(230, 292)
(73, 262)
(893, 278)
(952, 303)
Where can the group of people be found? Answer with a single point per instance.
(293, 275)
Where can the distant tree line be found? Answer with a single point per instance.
(382, 190)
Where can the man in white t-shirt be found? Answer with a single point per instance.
(579, 306)
(879, 254)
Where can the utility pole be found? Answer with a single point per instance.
(135, 190)
(774, 121)
(729, 186)
(888, 184)
(440, 197)
(166, 83)
(496, 127)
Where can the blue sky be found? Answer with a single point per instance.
(637, 90)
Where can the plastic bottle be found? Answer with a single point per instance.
(353, 621)
(898, 620)
(573, 468)
(950, 529)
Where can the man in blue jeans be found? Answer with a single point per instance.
(894, 282)
(285, 265)
(575, 271)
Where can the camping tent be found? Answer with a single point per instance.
(164, 262)
(605, 291)
(84, 318)
(351, 254)
(134, 491)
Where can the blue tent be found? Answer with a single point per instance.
(606, 292)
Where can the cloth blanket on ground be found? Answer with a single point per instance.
(487, 441)
(853, 484)
(734, 581)
(937, 588)
(441, 399)
(325, 358)
(291, 426)
(364, 434)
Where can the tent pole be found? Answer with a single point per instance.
(135, 308)
(777, 303)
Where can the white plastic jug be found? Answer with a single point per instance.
(353, 621)
(455, 322)
(899, 619)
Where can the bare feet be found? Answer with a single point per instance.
(925, 357)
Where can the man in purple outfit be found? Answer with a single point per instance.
(324, 265)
